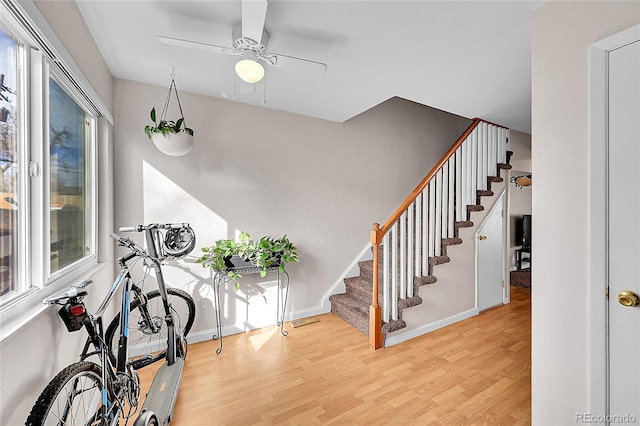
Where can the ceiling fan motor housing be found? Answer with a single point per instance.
(241, 43)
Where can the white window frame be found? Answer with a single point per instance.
(40, 61)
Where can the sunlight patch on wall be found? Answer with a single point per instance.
(254, 306)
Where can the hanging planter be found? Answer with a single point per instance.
(174, 144)
(170, 137)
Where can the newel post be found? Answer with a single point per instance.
(375, 312)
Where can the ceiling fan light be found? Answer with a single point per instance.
(249, 70)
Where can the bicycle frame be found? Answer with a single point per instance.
(95, 329)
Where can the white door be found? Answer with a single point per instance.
(490, 258)
(624, 233)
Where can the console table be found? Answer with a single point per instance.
(222, 278)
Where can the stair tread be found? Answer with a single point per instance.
(451, 241)
(427, 279)
(464, 224)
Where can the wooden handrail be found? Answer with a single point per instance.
(423, 183)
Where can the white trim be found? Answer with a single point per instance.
(597, 217)
(394, 339)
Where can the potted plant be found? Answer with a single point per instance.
(265, 253)
(171, 137)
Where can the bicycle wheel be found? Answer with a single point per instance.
(147, 329)
(73, 397)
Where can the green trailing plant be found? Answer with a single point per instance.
(166, 126)
(265, 253)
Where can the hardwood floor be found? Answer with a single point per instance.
(477, 371)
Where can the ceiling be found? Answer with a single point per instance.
(470, 58)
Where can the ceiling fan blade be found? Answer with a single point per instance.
(254, 13)
(176, 42)
(306, 67)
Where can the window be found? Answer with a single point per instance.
(8, 164)
(70, 202)
(47, 159)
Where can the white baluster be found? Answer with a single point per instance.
(493, 159)
(410, 245)
(385, 276)
(394, 273)
(485, 155)
(475, 171)
(445, 199)
(459, 171)
(432, 218)
(503, 146)
(426, 218)
(403, 255)
(438, 213)
(466, 164)
(418, 237)
(451, 206)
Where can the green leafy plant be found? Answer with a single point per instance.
(165, 127)
(265, 253)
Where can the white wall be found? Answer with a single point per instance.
(272, 173)
(31, 356)
(561, 32)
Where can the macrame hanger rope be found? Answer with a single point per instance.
(173, 87)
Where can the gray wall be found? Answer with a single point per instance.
(273, 173)
(561, 362)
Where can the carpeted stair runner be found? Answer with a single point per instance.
(353, 305)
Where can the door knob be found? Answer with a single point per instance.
(628, 298)
(483, 237)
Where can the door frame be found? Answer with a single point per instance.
(598, 200)
(502, 198)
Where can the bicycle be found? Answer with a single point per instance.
(90, 393)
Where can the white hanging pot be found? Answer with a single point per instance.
(174, 144)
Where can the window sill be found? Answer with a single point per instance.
(25, 310)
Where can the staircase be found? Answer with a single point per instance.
(416, 237)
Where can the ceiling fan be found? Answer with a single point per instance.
(250, 41)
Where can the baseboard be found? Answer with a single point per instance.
(228, 330)
(426, 328)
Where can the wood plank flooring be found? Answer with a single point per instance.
(477, 371)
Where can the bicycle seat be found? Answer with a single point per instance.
(76, 290)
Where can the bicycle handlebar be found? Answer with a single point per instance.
(140, 228)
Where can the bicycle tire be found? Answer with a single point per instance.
(146, 347)
(82, 382)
